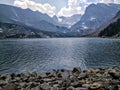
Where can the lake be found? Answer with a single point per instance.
(18, 55)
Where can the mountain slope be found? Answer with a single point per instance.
(8, 30)
(69, 21)
(37, 20)
(113, 29)
(95, 16)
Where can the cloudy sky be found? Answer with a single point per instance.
(56, 7)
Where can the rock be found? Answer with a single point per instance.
(62, 70)
(47, 80)
(34, 74)
(32, 84)
(59, 75)
(82, 76)
(43, 75)
(48, 73)
(0, 88)
(44, 86)
(76, 70)
(62, 88)
(115, 82)
(95, 86)
(2, 83)
(41, 81)
(22, 85)
(70, 88)
(26, 74)
(86, 85)
(114, 74)
(36, 88)
(12, 76)
(76, 84)
(81, 88)
(10, 87)
(3, 77)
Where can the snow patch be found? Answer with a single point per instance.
(92, 18)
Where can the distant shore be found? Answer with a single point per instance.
(76, 79)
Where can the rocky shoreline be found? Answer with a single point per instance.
(76, 79)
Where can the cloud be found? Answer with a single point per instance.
(107, 1)
(79, 6)
(72, 8)
(117, 1)
(43, 8)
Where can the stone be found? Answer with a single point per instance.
(12, 76)
(3, 77)
(80, 88)
(47, 80)
(43, 75)
(23, 84)
(114, 74)
(62, 88)
(34, 74)
(76, 84)
(26, 74)
(3, 83)
(36, 88)
(70, 88)
(0, 88)
(10, 87)
(45, 86)
(32, 84)
(76, 70)
(95, 86)
(59, 75)
(115, 82)
(86, 85)
(82, 76)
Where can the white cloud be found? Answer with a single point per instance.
(73, 8)
(117, 1)
(43, 8)
(106, 1)
(79, 6)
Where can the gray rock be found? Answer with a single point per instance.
(76, 70)
(36, 88)
(10, 87)
(70, 88)
(81, 88)
(94, 86)
(114, 74)
(76, 84)
(82, 76)
(115, 82)
(45, 86)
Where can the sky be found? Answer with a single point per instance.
(65, 8)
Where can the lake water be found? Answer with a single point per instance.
(17, 55)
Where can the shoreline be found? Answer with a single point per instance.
(76, 79)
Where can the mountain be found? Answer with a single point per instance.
(34, 19)
(69, 21)
(95, 16)
(8, 30)
(15, 22)
(112, 29)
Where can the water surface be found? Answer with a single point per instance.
(17, 55)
